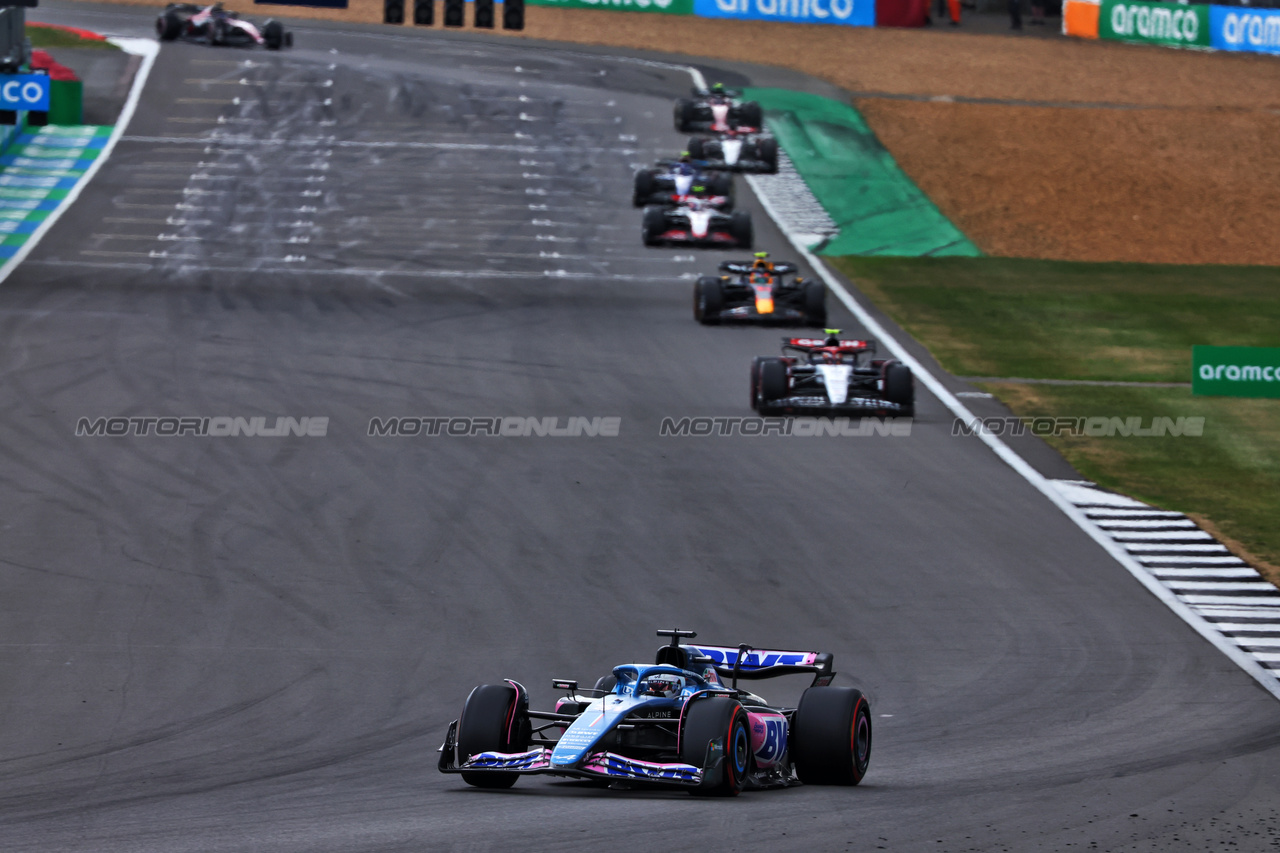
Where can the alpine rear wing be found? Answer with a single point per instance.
(749, 663)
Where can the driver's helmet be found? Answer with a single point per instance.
(717, 88)
(663, 684)
(833, 337)
(762, 262)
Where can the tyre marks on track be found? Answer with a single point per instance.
(1218, 586)
(304, 167)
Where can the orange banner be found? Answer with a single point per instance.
(1080, 18)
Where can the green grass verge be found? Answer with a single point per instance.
(1065, 320)
(1131, 322)
(47, 37)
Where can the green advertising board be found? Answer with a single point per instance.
(1169, 24)
(665, 7)
(1235, 371)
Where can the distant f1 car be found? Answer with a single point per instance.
(673, 723)
(759, 291)
(214, 25)
(669, 180)
(831, 375)
(716, 108)
(696, 222)
(737, 151)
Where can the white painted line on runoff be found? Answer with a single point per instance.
(148, 50)
(1245, 572)
(1065, 495)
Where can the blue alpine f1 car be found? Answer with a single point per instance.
(674, 722)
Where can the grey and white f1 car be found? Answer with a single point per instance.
(831, 375)
(673, 723)
(737, 151)
(214, 25)
(696, 222)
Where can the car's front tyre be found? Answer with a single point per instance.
(494, 719)
(722, 721)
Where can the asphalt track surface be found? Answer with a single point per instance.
(252, 643)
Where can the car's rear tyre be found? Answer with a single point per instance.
(750, 114)
(815, 303)
(708, 720)
(740, 229)
(831, 736)
(288, 39)
(773, 383)
(273, 35)
(684, 114)
(708, 300)
(697, 148)
(755, 380)
(720, 183)
(495, 718)
(168, 25)
(898, 387)
(643, 188)
(653, 224)
(768, 152)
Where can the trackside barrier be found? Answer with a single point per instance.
(851, 13)
(1203, 27)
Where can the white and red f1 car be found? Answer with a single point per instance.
(214, 25)
(696, 222)
(831, 375)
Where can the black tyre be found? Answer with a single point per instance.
(493, 720)
(684, 114)
(708, 300)
(653, 224)
(831, 736)
(740, 229)
(750, 114)
(697, 148)
(720, 183)
(273, 35)
(708, 720)
(168, 25)
(898, 387)
(755, 380)
(773, 383)
(768, 152)
(643, 188)
(815, 303)
(288, 39)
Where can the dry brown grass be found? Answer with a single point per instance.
(1196, 183)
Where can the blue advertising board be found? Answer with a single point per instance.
(1242, 28)
(24, 92)
(852, 13)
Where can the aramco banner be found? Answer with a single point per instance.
(1253, 30)
(1168, 24)
(852, 13)
(666, 7)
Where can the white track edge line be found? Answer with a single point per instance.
(1247, 662)
(148, 50)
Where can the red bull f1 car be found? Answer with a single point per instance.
(670, 180)
(696, 222)
(759, 291)
(831, 375)
(737, 151)
(682, 722)
(214, 25)
(716, 108)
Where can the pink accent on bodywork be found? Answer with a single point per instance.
(758, 723)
